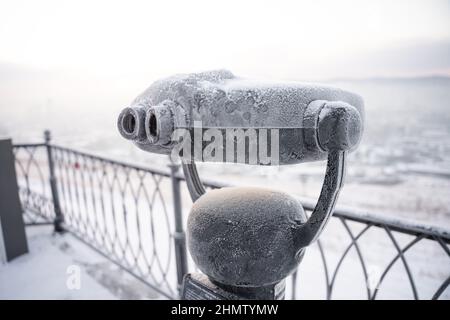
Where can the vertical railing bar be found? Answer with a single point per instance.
(59, 163)
(59, 218)
(179, 234)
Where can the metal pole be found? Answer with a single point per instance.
(13, 239)
(59, 218)
(294, 287)
(179, 234)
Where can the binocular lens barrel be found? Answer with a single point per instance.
(291, 122)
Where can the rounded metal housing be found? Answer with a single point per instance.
(245, 236)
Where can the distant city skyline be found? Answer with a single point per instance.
(320, 39)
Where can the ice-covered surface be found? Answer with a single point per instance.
(45, 271)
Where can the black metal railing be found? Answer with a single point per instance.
(134, 216)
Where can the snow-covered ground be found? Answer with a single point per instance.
(61, 267)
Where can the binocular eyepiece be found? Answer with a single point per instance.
(152, 125)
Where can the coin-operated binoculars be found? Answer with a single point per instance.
(246, 241)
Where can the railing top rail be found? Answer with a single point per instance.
(28, 145)
(397, 224)
(92, 155)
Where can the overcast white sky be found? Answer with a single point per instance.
(282, 39)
